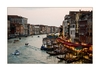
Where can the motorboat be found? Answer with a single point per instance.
(26, 43)
(16, 52)
(16, 41)
(43, 48)
(20, 38)
(46, 49)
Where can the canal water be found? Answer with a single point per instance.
(30, 54)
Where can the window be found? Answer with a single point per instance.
(73, 26)
(71, 32)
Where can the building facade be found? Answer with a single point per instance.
(89, 29)
(48, 29)
(66, 26)
(82, 31)
(17, 27)
(78, 26)
(61, 31)
(77, 17)
(85, 27)
(24, 23)
(36, 29)
(65, 30)
(8, 27)
(72, 24)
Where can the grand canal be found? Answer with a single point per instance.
(30, 54)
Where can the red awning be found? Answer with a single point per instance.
(72, 44)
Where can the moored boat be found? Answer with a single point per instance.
(56, 53)
(46, 49)
(16, 52)
(26, 43)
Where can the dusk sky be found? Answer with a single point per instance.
(52, 16)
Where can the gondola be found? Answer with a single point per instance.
(26, 43)
(46, 49)
(61, 58)
(56, 53)
(69, 60)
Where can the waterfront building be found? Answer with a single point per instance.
(36, 29)
(48, 29)
(56, 29)
(82, 30)
(72, 24)
(30, 29)
(85, 27)
(14, 23)
(21, 29)
(17, 27)
(53, 29)
(72, 32)
(77, 17)
(89, 28)
(78, 26)
(8, 28)
(33, 29)
(45, 29)
(42, 29)
(66, 26)
(61, 31)
(25, 27)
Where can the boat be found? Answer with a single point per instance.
(16, 52)
(61, 58)
(26, 43)
(43, 48)
(69, 59)
(46, 49)
(53, 53)
(16, 40)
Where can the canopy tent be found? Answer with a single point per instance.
(73, 44)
